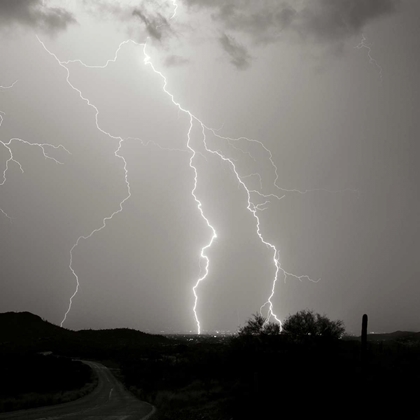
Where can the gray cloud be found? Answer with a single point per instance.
(150, 13)
(155, 26)
(175, 60)
(329, 21)
(237, 53)
(32, 13)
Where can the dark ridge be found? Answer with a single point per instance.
(24, 331)
(121, 337)
(21, 328)
(396, 335)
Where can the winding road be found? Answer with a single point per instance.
(109, 401)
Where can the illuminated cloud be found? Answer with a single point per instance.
(33, 13)
(237, 53)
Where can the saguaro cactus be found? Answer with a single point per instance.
(364, 341)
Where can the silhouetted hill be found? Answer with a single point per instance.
(402, 336)
(120, 338)
(24, 331)
(396, 335)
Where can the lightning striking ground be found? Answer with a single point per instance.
(253, 208)
(189, 147)
(120, 141)
(192, 118)
(117, 155)
(251, 205)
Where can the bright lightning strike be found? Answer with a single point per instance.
(116, 153)
(120, 140)
(251, 206)
(175, 4)
(104, 220)
(363, 44)
(147, 61)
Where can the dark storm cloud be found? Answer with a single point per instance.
(175, 61)
(332, 20)
(321, 20)
(155, 26)
(150, 14)
(32, 13)
(262, 21)
(237, 53)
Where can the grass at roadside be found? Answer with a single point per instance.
(194, 402)
(39, 399)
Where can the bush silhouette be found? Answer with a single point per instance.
(306, 324)
(257, 326)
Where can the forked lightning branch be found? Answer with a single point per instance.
(256, 201)
(193, 120)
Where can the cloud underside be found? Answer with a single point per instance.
(327, 21)
(139, 17)
(33, 14)
(237, 53)
(156, 26)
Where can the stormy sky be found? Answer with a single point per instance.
(315, 102)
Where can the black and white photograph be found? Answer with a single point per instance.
(209, 209)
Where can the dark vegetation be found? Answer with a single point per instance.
(310, 368)
(34, 380)
(36, 366)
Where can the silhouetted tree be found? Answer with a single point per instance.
(307, 324)
(257, 326)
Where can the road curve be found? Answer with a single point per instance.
(109, 401)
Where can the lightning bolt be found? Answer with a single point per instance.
(64, 64)
(253, 208)
(11, 158)
(363, 44)
(254, 175)
(8, 87)
(231, 142)
(175, 4)
(116, 153)
(147, 143)
(193, 120)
